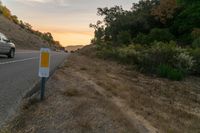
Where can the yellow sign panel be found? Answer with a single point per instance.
(44, 59)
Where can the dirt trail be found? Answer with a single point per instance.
(137, 121)
(88, 95)
(160, 104)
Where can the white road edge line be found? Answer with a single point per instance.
(27, 52)
(15, 61)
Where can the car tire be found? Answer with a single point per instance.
(11, 53)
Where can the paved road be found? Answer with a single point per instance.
(18, 75)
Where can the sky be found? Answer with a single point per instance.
(67, 20)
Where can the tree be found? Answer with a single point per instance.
(27, 26)
(110, 14)
(99, 31)
(186, 21)
(124, 37)
(144, 5)
(15, 19)
(165, 10)
(6, 12)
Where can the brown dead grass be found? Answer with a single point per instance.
(91, 95)
(170, 106)
(71, 92)
(72, 105)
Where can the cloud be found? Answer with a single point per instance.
(38, 1)
(50, 2)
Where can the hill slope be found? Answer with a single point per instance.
(73, 48)
(21, 37)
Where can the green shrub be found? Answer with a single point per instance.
(158, 53)
(141, 39)
(107, 52)
(128, 54)
(196, 43)
(155, 35)
(124, 37)
(177, 61)
(196, 56)
(165, 53)
(195, 33)
(160, 35)
(184, 61)
(169, 72)
(185, 39)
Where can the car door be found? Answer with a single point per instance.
(1, 45)
(5, 44)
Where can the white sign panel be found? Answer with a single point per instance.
(44, 62)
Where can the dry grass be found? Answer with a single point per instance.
(108, 97)
(72, 105)
(70, 92)
(169, 106)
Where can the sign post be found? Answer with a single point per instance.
(44, 69)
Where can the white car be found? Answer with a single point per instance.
(6, 46)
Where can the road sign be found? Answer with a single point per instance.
(44, 62)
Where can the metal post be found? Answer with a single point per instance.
(42, 88)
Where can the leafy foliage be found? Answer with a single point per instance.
(124, 37)
(170, 73)
(196, 43)
(195, 53)
(164, 12)
(165, 33)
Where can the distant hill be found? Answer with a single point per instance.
(22, 34)
(21, 37)
(73, 48)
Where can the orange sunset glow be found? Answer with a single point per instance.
(67, 20)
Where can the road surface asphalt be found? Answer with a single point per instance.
(18, 75)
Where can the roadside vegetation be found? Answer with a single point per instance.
(91, 95)
(159, 37)
(45, 36)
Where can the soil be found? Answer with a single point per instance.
(88, 94)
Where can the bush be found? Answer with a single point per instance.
(184, 62)
(158, 53)
(196, 56)
(124, 37)
(150, 59)
(195, 33)
(185, 39)
(155, 35)
(107, 52)
(141, 39)
(170, 73)
(160, 35)
(177, 59)
(129, 54)
(196, 43)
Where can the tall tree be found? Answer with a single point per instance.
(165, 10)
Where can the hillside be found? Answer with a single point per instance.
(21, 37)
(73, 48)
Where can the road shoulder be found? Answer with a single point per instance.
(87, 94)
